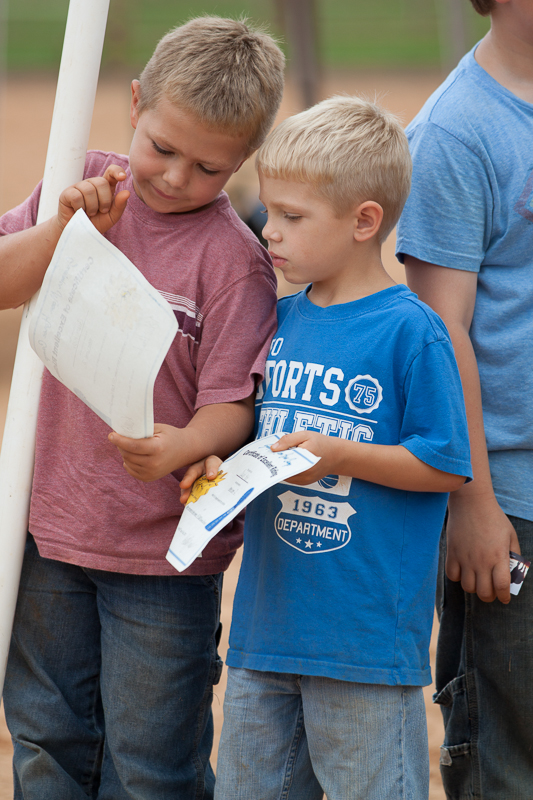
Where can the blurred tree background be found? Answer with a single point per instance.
(350, 33)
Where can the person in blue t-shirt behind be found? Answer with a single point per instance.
(466, 236)
(334, 606)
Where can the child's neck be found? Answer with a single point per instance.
(506, 53)
(361, 279)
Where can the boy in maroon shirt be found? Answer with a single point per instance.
(109, 682)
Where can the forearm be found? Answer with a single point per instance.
(24, 258)
(480, 489)
(396, 467)
(217, 429)
(479, 534)
(387, 465)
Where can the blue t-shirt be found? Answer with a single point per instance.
(471, 208)
(338, 577)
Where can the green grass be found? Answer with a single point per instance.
(352, 33)
(386, 32)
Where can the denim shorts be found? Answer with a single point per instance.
(296, 737)
(484, 682)
(109, 683)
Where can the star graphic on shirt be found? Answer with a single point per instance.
(319, 544)
(298, 541)
(308, 544)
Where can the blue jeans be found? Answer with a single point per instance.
(484, 679)
(294, 737)
(109, 683)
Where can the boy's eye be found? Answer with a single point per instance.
(292, 217)
(160, 150)
(208, 171)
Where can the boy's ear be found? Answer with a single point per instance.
(368, 217)
(135, 97)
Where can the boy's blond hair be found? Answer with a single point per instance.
(350, 150)
(225, 73)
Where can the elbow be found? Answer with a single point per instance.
(454, 482)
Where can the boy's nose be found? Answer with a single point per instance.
(177, 175)
(270, 234)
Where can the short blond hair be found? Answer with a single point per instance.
(225, 73)
(349, 149)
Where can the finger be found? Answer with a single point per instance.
(468, 580)
(134, 461)
(484, 586)
(104, 193)
(96, 194)
(114, 174)
(212, 466)
(194, 472)
(133, 446)
(501, 578)
(83, 195)
(117, 439)
(130, 469)
(72, 198)
(453, 569)
(184, 496)
(289, 440)
(139, 473)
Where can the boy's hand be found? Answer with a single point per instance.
(152, 458)
(97, 198)
(208, 467)
(324, 446)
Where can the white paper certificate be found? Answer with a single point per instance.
(101, 329)
(241, 477)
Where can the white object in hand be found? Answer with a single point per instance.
(241, 478)
(102, 329)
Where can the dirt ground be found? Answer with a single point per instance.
(25, 113)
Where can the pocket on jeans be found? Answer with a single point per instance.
(212, 582)
(217, 674)
(456, 748)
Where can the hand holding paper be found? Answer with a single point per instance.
(96, 196)
(214, 503)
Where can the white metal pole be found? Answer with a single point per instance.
(69, 135)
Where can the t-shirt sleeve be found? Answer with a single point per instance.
(236, 336)
(22, 216)
(434, 425)
(447, 219)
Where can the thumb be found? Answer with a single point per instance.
(120, 202)
(290, 440)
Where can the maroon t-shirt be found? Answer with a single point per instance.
(85, 508)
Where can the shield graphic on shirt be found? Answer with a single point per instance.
(313, 524)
